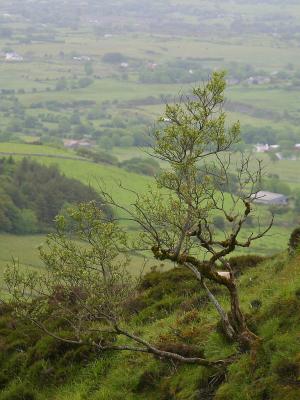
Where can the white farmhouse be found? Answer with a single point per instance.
(13, 57)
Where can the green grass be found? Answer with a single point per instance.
(274, 282)
(262, 52)
(87, 172)
(24, 148)
(100, 175)
(22, 248)
(94, 174)
(105, 90)
(264, 97)
(25, 248)
(115, 376)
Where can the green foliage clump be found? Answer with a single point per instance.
(98, 157)
(30, 356)
(19, 391)
(113, 58)
(241, 263)
(273, 370)
(163, 292)
(274, 184)
(141, 166)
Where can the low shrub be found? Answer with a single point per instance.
(168, 279)
(19, 391)
(294, 241)
(241, 263)
(288, 371)
(149, 379)
(41, 372)
(141, 166)
(49, 348)
(182, 349)
(98, 156)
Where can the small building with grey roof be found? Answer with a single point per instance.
(270, 198)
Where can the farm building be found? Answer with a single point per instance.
(258, 80)
(82, 58)
(13, 57)
(264, 148)
(270, 198)
(73, 144)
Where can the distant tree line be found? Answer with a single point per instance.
(75, 119)
(31, 195)
(143, 166)
(267, 134)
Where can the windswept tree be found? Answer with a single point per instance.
(87, 283)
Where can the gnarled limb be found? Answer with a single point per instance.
(145, 346)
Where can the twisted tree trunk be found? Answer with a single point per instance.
(244, 336)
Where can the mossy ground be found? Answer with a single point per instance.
(173, 312)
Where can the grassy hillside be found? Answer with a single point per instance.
(46, 369)
(86, 172)
(287, 170)
(25, 248)
(33, 149)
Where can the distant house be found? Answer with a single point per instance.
(261, 148)
(274, 147)
(232, 81)
(82, 58)
(124, 65)
(70, 144)
(258, 80)
(75, 144)
(297, 146)
(13, 57)
(270, 198)
(264, 148)
(152, 66)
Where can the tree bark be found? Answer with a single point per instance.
(244, 336)
(235, 326)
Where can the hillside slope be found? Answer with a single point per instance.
(173, 312)
(84, 170)
(109, 176)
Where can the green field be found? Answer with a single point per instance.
(24, 251)
(46, 63)
(94, 174)
(87, 172)
(25, 248)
